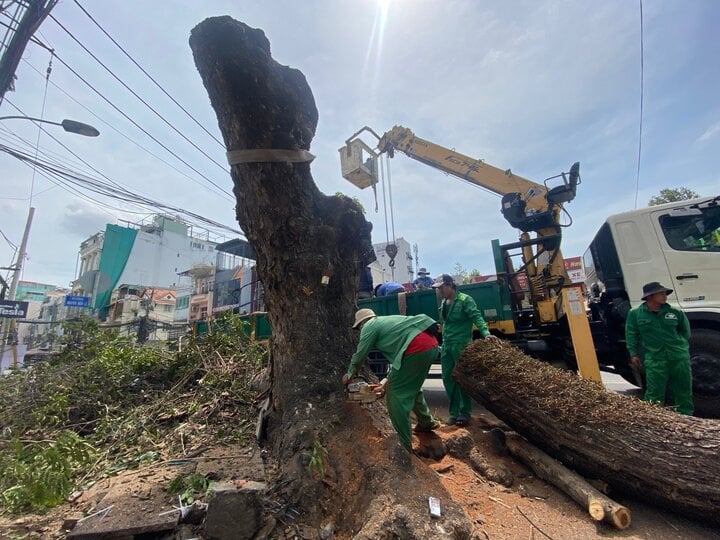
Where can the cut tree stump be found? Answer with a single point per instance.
(654, 454)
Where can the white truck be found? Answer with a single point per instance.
(677, 244)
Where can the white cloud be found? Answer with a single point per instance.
(529, 85)
(81, 219)
(710, 132)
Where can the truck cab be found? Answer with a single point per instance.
(677, 244)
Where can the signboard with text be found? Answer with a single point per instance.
(13, 310)
(77, 301)
(574, 268)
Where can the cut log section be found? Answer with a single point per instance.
(599, 506)
(652, 453)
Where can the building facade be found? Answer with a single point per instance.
(152, 255)
(402, 272)
(135, 309)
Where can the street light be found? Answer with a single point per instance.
(71, 126)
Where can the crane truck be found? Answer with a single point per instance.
(628, 249)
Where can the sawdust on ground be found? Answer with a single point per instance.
(495, 511)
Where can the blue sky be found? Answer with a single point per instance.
(527, 85)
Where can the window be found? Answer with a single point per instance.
(697, 230)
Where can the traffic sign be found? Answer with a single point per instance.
(10, 309)
(77, 301)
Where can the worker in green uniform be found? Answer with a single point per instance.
(663, 333)
(458, 313)
(410, 346)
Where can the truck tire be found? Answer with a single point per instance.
(705, 361)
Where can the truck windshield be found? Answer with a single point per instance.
(700, 232)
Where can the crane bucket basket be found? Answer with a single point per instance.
(359, 164)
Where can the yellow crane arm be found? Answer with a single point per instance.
(466, 168)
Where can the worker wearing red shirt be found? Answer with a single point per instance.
(410, 347)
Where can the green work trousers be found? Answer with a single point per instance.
(459, 402)
(673, 370)
(404, 394)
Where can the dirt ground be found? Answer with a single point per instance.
(499, 512)
(529, 508)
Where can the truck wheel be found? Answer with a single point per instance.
(705, 361)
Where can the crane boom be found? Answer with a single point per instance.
(526, 205)
(466, 168)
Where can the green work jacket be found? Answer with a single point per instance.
(664, 334)
(458, 318)
(390, 335)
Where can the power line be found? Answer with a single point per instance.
(147, 74)
(57, 181)
(58, 141)
(220, 190)
(126, 137)
(10, 243)
(175, 155)
(642, 84)
(118, 79)
(33, 16)
(13, 19)
(100, 187)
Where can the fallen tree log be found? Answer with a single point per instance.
(599, 506)
(654, 454)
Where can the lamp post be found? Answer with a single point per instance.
(71, 126)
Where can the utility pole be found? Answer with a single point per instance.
(11, 331)
(35, 13)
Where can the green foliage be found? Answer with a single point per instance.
(189, 487)
(668, 195)
(39, 475)
(459, 272)
(317, 459)
(355, 200)
(106, 392)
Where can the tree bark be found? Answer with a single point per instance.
(654, 454)
(297, 233)
(301, 236)
(598, 505)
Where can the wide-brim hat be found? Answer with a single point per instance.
(363, 315)
(654, 287)
(423, 272)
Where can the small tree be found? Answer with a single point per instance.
(668, 195)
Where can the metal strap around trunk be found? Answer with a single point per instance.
(267, 155)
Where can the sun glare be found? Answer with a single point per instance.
(375, 43)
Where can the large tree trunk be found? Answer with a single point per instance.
(655, 454)
(299, 235)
